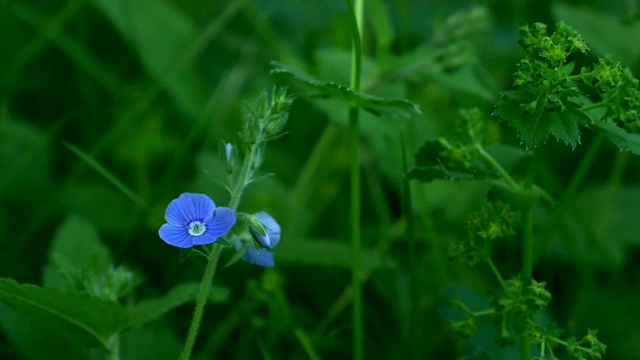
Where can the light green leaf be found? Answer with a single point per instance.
(75, 244)
(371, 103)
(99, 318)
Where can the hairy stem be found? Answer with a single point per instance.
(201, 301)
(214, 254)
(355, 15)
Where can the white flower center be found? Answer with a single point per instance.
(196, 228)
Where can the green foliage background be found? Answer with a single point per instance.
(110, 109)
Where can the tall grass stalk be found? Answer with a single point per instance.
(355, 14)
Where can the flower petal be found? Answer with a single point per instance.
(217, 225)
(189, 207)
(260, 257)
(272, 230)
(176, 236)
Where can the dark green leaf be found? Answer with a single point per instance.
(564, 125)
(369, 102)
(98, 317)
(530, 116)
(31, 334)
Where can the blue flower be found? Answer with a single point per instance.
(193, 219)
(269, 227)
(262, 257)
(267, 235)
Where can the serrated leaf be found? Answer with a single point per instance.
(97, 317)
(371, 103)
(620, 137)
(534, 126)
(564, 125)
(429, 166)
(151, 309)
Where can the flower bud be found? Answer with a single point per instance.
(264, 229)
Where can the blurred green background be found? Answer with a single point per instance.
(148, 88)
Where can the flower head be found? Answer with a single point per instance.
(193, 219)
(267, 226)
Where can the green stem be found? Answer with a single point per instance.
(214, 254)
(412, 256)
(245, 173)
(203, 295)
(484, 312)
(114, 347)
(594, 106)
(585, 165)
(356, 246)
(355, 15)
(496, 273)
(527, 270)
(505, 175)
(527, 245)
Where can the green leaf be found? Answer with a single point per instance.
(151, 309)
(374, 104)
(528, 114)
(30, 334)
(99, 318)
(620, 137)
(75, 244)
(564, 125)
(532, 127)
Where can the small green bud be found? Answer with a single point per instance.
(227, 154)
